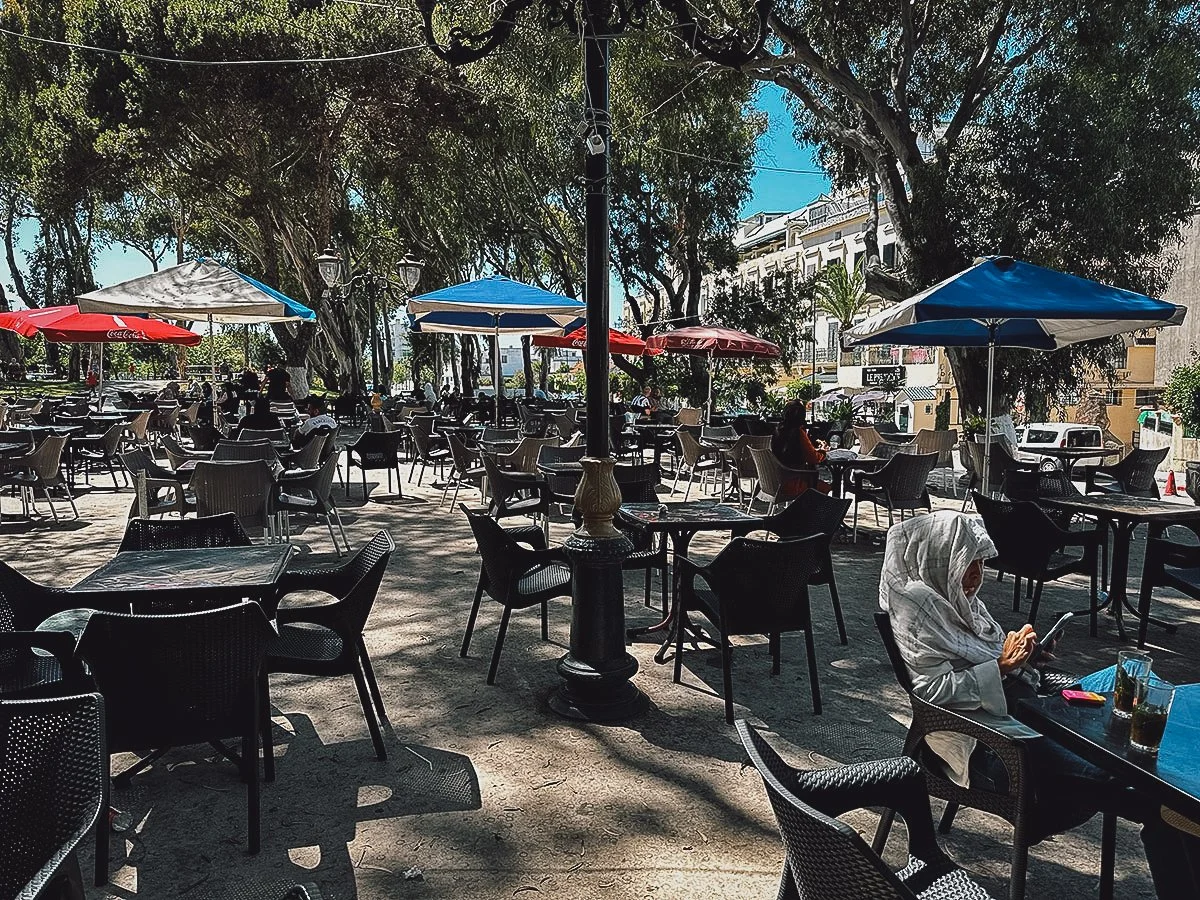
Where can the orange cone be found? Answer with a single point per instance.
(1170, 490)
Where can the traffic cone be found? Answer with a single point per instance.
(1170, 490)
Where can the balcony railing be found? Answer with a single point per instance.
(893, 356)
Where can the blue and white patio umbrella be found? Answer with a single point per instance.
(494, 305)
(1003, 302)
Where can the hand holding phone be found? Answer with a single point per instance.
(1050, 638)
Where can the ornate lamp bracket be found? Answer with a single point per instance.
(727, 49)
(464, 46)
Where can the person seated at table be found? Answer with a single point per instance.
(169, 393)
(959, 657)
(377, 398)
(279, 384)
(793, 448)
(643, 404)
(317, 418)
(262, 419)
(227, 399)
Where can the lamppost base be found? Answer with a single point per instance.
(590, 695)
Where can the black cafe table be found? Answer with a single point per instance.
(237, 572)
(681, 522)
(840, 462)
(1094, 733)
(1126, 513)
(1068, 456)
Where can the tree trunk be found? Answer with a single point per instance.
(544, 374)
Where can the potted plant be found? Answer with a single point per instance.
(1182, 398)
(841, 415)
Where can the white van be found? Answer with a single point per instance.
(1060, 434)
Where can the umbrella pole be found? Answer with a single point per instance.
(100, 382)
(711, 375)
(497, 377)
(987, 413)
(212, 349)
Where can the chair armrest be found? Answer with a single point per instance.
(59, 644)
(545, 557)
(325, 614)
(688, 571)
(999, 733)
(1088, 539)
(295, 580)
(1173, 553)
(890, 783)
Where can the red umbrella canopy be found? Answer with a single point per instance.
(67, 325)
(720, 343)
(618, 342)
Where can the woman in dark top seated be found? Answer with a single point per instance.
(262, 419)
(793, 448)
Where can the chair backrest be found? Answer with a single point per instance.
(525, 457)
(811, 513)
(377, 449)
(262, 434)
(243, 488)
(423, 423)
(139, 460)
(491, 433)
(688, 415)
(883, 623)
(638, 482)
(223, 530)
(322, 484)
(139, 425)
(1136, 471)
(54, 773)
(1000, 463)
(1024, 535)
(463, 458)
(689, 447)
(239, 450)
(762, 586)
(825, 857)
(939, 442)
(740, 453)
(868, 437)
(170, 680)
(46, 459)
(718, 431)
(766, 469)
(309, 456)
(361, 576)
(549, 453)
(904, 475)
(421, 438)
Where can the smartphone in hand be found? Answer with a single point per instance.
(1048, 639)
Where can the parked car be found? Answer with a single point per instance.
(1059, 434)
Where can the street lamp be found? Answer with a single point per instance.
(408, 271)
(329, 264)
(597, 669)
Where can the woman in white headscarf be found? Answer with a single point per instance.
(959, 657)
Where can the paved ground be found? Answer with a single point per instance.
(487, 794)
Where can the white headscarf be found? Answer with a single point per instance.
(920, 588)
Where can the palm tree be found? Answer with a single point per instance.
(842, 295)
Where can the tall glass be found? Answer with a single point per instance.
(1133, 668)
(1150, 712)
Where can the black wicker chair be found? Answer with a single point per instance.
(1172, 564)
(1132, 475)
(638, 484)
(514, 576)
(562, 487)
(464, 468)
(159, 490)
(826, 858)
(54, 783)
(899, 485)
(327, 640)
(425, 450)
(224, 530)
(1029, 544)
(375, 450)
(173, 680)
(307, 891)
(1014, 805)
(52, 672)
(312, 492)
(754, 587)
(812, 513)
(101, 450)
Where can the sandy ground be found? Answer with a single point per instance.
(486, 793)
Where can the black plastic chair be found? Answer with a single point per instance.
(1132, 475)
(1014, 805)
(826, 859)
(514, 576)
(373, 451)
(562, 487)
(327, 640)
(52, 672)
(174, 680)
(754, 587)
(312, 492)
(1171, 564)
(425, 451)
(638, 484)
(899, 486)
(54, 783)
(516, 493)
(224, 530)
(1029, 544)
(464, 468)
(812, 513)
(159, 490)
(101, 450)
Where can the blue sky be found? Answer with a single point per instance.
(778, 191)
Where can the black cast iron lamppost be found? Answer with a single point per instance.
(597, 669)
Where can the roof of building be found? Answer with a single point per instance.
(919, 394)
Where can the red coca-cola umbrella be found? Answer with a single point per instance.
(67, 325)
(715, 343)
(618, 342)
